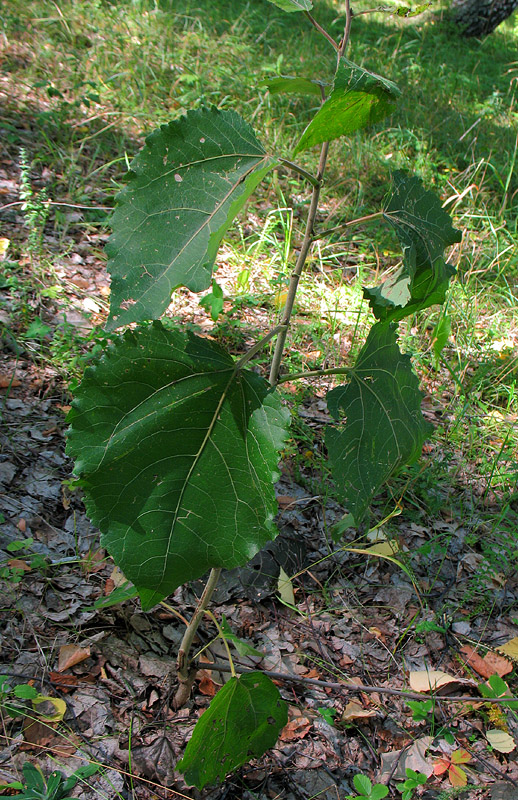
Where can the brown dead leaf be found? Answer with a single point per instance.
(65, 682)
(490, 664)
(285, 500)
(18, 563)
(70, 655)
(7, 380)
(510, 648)
(295, 729)
(499, 665)
(206, 685)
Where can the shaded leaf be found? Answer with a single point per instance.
(242, 722)
(293, 5)
(285, 84)
(177, 452)
(424, 230)
(385, 427)
(359, 98)
(184, 189)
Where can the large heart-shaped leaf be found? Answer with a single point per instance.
(424, 230)
(242, 722)
(293, 5)
(177, 451)
(184, 189)
(384, 426)
(359, 98)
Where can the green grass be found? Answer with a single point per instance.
(85, 81)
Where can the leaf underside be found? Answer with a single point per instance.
(424, 230)
(385, 428)
(177, 452)
(184, 189)
(359, 98)
(293, 5)
(293, 85)
(243, 721)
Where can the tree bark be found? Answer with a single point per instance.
(480, 17)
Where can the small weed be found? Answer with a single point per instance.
(413, 781)
(366, 790)
(55, 787)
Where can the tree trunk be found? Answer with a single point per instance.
(480, 17)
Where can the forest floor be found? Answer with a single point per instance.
(87, 685)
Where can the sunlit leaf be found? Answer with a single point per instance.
(184, 189)
(293, 85)
(359, 98)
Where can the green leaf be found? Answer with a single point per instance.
(119, 595)
(242, 722)
(293, 5)
(424, 230)
(177, 452)
(184, 189)
(378, 792)
(385, 428)
(25, 691)
(242, 647)
(359, 98)
(440, 335)
(362, 784)
(289, 85)
(213, 302)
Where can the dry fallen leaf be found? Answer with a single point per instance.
(285, 588)
(354, 710)
(500, 741)
(490, 664)
(510, 648)
(424, 680)
(295, 729)
(70, 655)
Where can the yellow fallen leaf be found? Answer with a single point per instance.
(58, 704)
(426, 679)
(389, 548)
(4, 245)
(500, 741)
(285, 588)
(510, 648)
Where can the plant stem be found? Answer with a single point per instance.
(313, 208)
(184, 672)
(300, 170)
(315, 373)
(258, 346)
(357, 221)
(297, 271)
(321, 30)
(223, 637)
